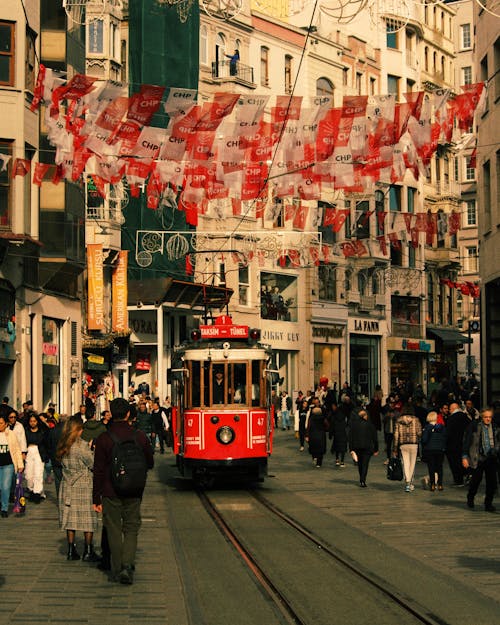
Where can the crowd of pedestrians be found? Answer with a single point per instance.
(77, 453)
(413, 428)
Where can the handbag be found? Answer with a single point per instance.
(19, 498)
(395, 470)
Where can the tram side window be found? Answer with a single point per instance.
(256, 383)
(194, 382)
(240, 383)
(206, 384)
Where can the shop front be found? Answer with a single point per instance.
(409, 360)
(365, 367)
(285, 340)
(329, 352)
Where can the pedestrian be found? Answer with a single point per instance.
(11, 462)
(144, 421)
(76, 512)
(160, 424)
(317, 427)
(375, 407)
(456, 424)
(16, 427)
(276, 404)
(36, 457)
(363, 443)
(303, 415)
(286, 406)
(92, 428)
(53, 438)
(338, 434)
(433, 448)
(121, 513)
(480, 453)
(389, 417)
(407, 434)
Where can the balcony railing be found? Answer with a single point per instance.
(407, 330)
(226, 70)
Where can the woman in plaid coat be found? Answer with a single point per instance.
(76, 512)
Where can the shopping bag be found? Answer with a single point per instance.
(19, 499)
(395, 470)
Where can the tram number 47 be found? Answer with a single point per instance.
(260, 421)
(190, 423)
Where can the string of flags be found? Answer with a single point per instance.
(230, 148)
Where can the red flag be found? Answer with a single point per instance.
(383, 244)
(299, 220)
(21, 167)
(395, 241)
(381, 215)
(340, 219)
(189, 266)
(360, 248)
(294, 256)
(329, 216)
(40, 170)
(38, 93)
(348, 249)
(453, 223)
(143, 105)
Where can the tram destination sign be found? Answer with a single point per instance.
(224, 332)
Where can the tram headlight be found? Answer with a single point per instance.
(225, 435)
(214, 419)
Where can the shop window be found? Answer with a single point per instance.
(278, 297)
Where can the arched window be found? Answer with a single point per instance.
(203, 45)
(324, 87)
(220, 45)
(426, 59)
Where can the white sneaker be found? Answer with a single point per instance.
(412, 487)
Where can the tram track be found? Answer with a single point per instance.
(282, 601)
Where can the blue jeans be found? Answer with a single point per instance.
(284, 419)
(6, 476)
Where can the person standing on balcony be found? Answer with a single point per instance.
(233, 62)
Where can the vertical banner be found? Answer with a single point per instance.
(119, 322)
(95, 287)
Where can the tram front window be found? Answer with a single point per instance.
(218, 385)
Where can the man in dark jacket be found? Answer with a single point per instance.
(121, 514)
(363, 443)
(456, 424)
(480, 453)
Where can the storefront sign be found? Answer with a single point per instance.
(277, 335)
(119, 294)
(98, 360)
(366, 326)
(328, 332)
(95, 295)
(398, 344)
(223, 331)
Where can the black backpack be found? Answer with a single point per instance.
(128, 466)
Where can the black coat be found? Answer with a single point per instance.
(363, 435)
(434, 437)
(338, 430)
(456, 424)
(316, 432)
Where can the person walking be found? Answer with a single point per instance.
(433, 448)
(286, 406)
(36, 457)
(456, 423)
(160, 424)
(11, 462)
(76, 512)
(121, 512)
(407, 434)
(316, 433)
(303, 415)
(363, 443)
(338, 434)
(480, 453)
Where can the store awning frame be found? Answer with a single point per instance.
(449, 336)
(178, 294)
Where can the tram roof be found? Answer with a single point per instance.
(178, 294)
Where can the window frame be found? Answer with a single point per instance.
(6, 148)
(11, 54)
(264, 66)
(465, 36)
(471, 211)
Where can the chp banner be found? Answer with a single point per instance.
(95, 287)
(119, 318)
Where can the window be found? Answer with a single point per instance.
(328, 236)
(264, 66)
(465, 36)
(203, 45)
(393, 86)
(6, 53)
(5, 189)
(412, 194)
(327, 282)
(362, 220)
(324, 87)
(470, 260)
(244, 284)
(470, 172)
(345, 76)
(373, 86)
(456, 169)
(471, 212)
(278, 297)
(288, 74)
(391, 36)
(487, 196)
(430, 299)
(426, 58)
(394, 198)
(379, 208)
(411, 256)
(359, 82)
(467, 75)
(29, 81)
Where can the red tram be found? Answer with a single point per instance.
(222, 417)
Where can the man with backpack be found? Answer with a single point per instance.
(122, 458)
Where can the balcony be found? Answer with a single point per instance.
(366, 303)
(223, 72)
(442, 256)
